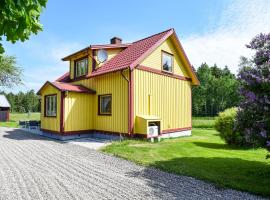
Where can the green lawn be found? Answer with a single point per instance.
(15, 117)
(204, 156)
(203, 122)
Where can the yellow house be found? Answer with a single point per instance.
(140, 89)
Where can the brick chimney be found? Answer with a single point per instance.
(116, 40)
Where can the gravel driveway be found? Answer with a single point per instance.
(32, 167)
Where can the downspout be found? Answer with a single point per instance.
(130, 100)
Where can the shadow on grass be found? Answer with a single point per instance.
(250, 176)
(210, 145)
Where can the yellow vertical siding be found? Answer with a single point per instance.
(170, 99)
(89, 83)
(78, 112)
(154, 59)
(50, 123)
(115, 84)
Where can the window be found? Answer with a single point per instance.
(105, 104)
(81, 67)
(50, 105)
(167, 62)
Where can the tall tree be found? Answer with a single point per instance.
(32, 102)
(19, 19)
(218, 91)
(10, 73)
(23, 101)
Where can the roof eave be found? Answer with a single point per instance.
(76, 53)
(194, 79)
(88, 91)
(39, 91)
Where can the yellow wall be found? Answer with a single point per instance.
(116, 85)
(162, 96)
(154, 59)
(50, 123)
(155, 95)
(78, 111)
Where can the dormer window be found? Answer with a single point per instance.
(167, 61)
(81, 67)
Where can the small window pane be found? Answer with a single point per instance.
(81, 67)
(53, 105)
(50, 105)
(105, 106)
(167, 62)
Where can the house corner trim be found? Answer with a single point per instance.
(131, 102)
(62, 112)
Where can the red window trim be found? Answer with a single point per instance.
(45, 105)
(99, 101)
(75, 68)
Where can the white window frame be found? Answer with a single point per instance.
(164, 53)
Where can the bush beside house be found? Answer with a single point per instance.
(224, 124)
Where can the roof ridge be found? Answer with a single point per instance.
(154, 35)
(108, 44)
(133, 53)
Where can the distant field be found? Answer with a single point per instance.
(16, 117)
(203, 122)
(197, 122)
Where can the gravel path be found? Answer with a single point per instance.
(32, 167)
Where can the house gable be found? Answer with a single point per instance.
(154, 60)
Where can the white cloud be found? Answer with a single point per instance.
(239, 23)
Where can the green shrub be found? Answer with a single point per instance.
(224, 124)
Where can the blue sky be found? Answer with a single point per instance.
(211, 31)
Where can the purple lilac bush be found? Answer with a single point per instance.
(253, 117)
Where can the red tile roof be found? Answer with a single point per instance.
(72, 88)
(131, 56)
(68, 87)
(64, 78)
(134, 53)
